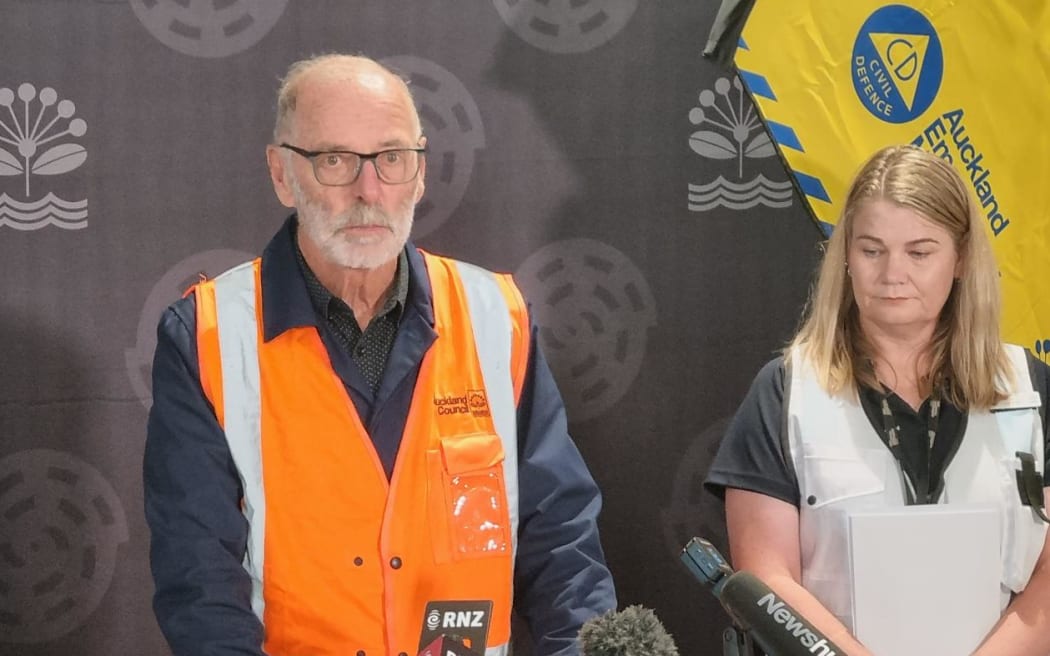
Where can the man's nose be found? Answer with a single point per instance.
(368, 187)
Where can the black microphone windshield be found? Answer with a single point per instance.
(634, 631)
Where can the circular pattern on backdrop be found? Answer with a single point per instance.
(452, 124)
(593, 309)
(171, 286)
(209, 28)
(60, 525)
(693, 512)
(566, 26)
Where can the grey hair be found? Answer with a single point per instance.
(332, 66)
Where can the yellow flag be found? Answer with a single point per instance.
(969, 81)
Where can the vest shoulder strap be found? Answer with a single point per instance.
(238, 282)
(483, 288)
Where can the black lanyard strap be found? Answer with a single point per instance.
(917, 491)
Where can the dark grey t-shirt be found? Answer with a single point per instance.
(754, 455)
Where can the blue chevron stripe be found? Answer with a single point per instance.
(742, 44)
(812, 186)
(784, 135)
(757, 84)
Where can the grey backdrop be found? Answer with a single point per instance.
(582, 144)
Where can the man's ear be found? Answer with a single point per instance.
(279, 176)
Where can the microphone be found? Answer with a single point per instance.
(777, 627)
(634, 631)
(447, 646)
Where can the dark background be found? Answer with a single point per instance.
(570, 143)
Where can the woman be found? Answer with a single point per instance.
(898, 361)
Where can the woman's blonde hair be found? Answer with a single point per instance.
(964, 354)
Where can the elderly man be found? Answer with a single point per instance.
(349, 428)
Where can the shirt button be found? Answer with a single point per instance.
(395, 562)
(811, 500)
(359, 561)
(403, 654)
(360, 652)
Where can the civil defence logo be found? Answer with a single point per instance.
(35, 120)
(897, 64)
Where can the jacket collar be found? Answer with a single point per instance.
(286, 300)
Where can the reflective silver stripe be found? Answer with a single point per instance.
(239, 358)
(238, 353)
(493, 332)
(498, 650)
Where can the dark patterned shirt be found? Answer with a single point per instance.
(754, 454)
(369, 348)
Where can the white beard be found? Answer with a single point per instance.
(324, 229)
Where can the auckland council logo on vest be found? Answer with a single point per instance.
(473, 401)
(37, 120)
(897, 64)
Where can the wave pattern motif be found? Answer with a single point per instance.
(49, 210)
(740, 196)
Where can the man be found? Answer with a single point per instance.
(349, 428)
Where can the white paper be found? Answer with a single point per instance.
(925, 579)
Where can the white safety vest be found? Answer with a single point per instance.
(842, 465)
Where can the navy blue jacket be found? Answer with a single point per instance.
(192, 490)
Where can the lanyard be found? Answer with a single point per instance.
(920, 491)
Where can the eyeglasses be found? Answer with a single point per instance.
(336, 168)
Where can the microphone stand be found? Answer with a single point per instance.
(737, 642)
(704, 561)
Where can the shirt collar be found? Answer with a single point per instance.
(321, 297)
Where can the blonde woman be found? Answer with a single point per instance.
(898, 367)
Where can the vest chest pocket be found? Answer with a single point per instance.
(832, 474)
(468, 498)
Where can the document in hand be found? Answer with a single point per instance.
(925, 578)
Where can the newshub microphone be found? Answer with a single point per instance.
(634, 631)
(778, 628)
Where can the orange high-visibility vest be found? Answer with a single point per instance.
(341, 560)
